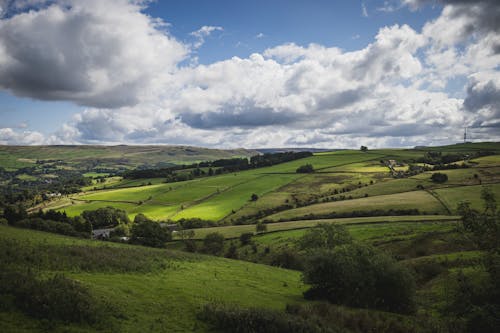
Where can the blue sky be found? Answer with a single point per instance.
(248, 73)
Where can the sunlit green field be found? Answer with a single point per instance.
(227, 197)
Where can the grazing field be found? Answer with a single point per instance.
(382, 231)
(407, 200)
(340, 176)
(454, 195)
(158, 299)
(235, 231)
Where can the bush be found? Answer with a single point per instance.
(439, 177)
(213, 243)
(325, 235)
(358, 275)
(260, 227)
(306, 168)
(57, 298)
(288, 258)
(149, 233)
(230, 318)
(246, 238)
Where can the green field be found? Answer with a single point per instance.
(235, 231)
(159, 300)
(407, 200)
(454, 195)
(226, 197)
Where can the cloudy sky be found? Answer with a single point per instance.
(260, 73)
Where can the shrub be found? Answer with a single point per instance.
(358, 275)
(325, 235)
(246, 238)
(306, 168)
(149, 233)
(288, 258)
(439, 177)
(231, 318)
(213, 243)
(57, 298)
(260, 227)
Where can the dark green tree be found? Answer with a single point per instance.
(213, 243)
(360, 276)
(149, 233)
(326, 236)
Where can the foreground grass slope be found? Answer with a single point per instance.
(153, 290)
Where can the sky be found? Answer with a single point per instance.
(252, 74)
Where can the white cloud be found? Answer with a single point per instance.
(364, 11)
(96, 53)
(9, 136)
(202, 33)
(393, 92)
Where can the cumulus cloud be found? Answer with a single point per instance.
(9, 136)
(95, 53)
(392, 92)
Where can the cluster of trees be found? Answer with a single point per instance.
(344, 272)
(474, 299)
(50, 221)
(437, 157)
(149, 233)
(30, 190)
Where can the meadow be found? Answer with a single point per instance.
(163, 298)
(343, 181)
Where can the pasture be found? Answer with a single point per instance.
(165, 296)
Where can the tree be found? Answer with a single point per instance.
(186, 234)
(439, 177)
(260, 227)
(213, 243)
(246, 238)
(254, 197)
(363, 148)
(149, 233)
(326, 236)
(475, 295)
(306, 168)
(14, 214)
(358, 275)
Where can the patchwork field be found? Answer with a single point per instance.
(344, 181)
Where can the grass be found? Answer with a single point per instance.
(407, 200)
(236, 230)
(224, 203)
(369, 233)
(454, 195)
(167, 300)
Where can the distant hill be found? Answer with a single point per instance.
(25, 156)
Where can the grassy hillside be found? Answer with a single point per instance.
(153, 290)
(340, 176)
(129, 156)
